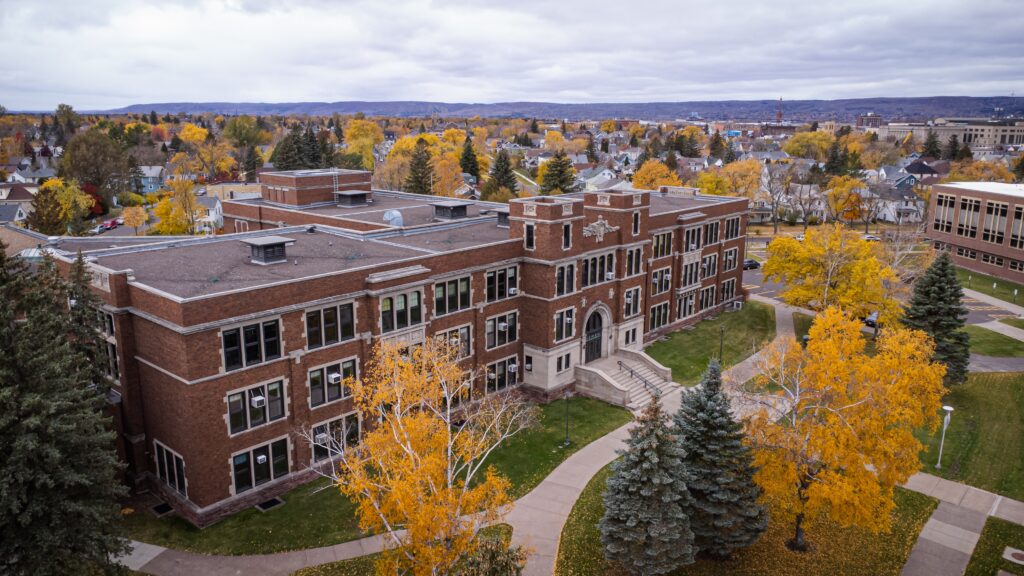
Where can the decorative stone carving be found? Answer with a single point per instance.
(598, 229)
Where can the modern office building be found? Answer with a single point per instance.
(975, 132)
(226, 347)
(981, 224)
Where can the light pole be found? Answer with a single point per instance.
(945, 424)
(721, 341)
(566, 443)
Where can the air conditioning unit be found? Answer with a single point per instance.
(629, 297)
(568, 321)
(512, 368)
(334, 378)
(261, 459)
(513, 291)
(320, 438)
(491, 376)
(693, 246)
(258, 401)
(609, 275)
(737, 305)
(502, 326)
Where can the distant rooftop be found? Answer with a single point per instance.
(1015, 190)
(313, 172)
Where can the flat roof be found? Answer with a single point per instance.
(1015, 190)
(445, 240)
(314, 172)
(416, 209)
(267, 240)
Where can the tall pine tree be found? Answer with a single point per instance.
(932, 148)
(58, 469)
(45, 216)
(952, 148)
(421, 174)
(726, 516)
(560, 177)
(468, 162)
(937, 309)
(502, 174)
(646, 526)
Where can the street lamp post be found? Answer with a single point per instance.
(942, 443)
(566, 399)
(721, 341)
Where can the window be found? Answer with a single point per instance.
(260, 465)
(1017, 228)
(330, 326)
(327, 384)
(662, 245)
(995, 222)
(630, 336)
(501, 284)
(501, 375)
(566, 236)
(401, 311)
(531, 237)
(966, 253)
(711, 233)
(730, 258)
(563, 363)
(659, 315)
(991, 259)
(458, 338)
(105, 323)
(634, 261)
(332, 438)
(691, 240)
(632, 302)
(501, 330)
(661, 281)
(944, 204)
(707, 298)
(685, 305)
(636, 223)
(255, 406)
(970, 211)
(691, 273)
(732, 228)
(251, 344)
(597, 269)
(111, 368)
(565, 279)
(451, 296)
(728, 290)
(709, 266)
(564, 326)
(1016, 266)
(170, 467)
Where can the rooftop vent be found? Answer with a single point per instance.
(350, 198)
(450, 210)
(268, 249)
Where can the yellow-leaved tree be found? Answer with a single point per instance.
(744, 177)
(842, 198)
(712, 182)
(171, 219)
(135, 216)
(360, 138)
(655, 173)
(839, 435)
(833, 267)
(978, 171)
(809, 145)
(420, 473)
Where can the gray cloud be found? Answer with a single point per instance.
(104, 53)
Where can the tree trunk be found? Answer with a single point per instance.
(798, 544)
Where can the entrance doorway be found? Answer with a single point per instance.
(593, 336)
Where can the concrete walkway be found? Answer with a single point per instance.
(993, 301)
(947, 541)
(1004, 329)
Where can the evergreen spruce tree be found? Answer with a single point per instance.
(310, 149)
(932, 148)
(834, 161)
(58, 469)
(288, 154)
(421, 173)
(152, 117)
(534, 129)
(253, 162)
(1018, 169)
(964, 153)
(591, 151)
(952, 148)
(468, 162)
(560, 177)
(45, 216)
(671, 162)
(646, 526)
(937, 309)
(501, 173)
(717, 146)
(730, 155)
(135, 175)
(726, 516)
(604, 145)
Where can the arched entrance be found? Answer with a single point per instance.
(593, 335)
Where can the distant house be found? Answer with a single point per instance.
(11, 213)
(152, 178)
(211, 214)
(32, 176)
(897, 205)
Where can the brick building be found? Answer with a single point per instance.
(227, 346)
(981, 224)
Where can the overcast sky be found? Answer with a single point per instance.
(98, 54)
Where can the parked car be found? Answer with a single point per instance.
(98, 229)
(871, 320)
(870, 238)
(751, 264)
(109, 224)
(120, 221)
(800, 238)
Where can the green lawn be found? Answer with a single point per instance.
(988, 554)
(312, 518)
(687, 352)
(363, 566)
(989, 343)
(846, 551)
(983, 283)
(985, 440)
(1015, 322)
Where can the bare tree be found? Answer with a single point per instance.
(870, 203)
(775, 182)
(805, 196)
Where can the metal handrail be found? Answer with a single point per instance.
(651, 388)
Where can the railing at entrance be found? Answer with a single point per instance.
(651, 388)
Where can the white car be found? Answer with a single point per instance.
(870, 238)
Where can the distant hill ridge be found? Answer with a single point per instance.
(757, 110)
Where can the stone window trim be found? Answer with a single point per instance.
(282, 348)
(337, 304)
(284, 418)
(248, 450)
(340, 362)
